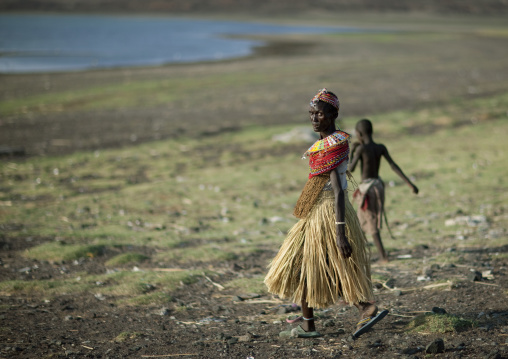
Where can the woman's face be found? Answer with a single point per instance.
(320, 119)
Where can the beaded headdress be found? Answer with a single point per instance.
(325, 96)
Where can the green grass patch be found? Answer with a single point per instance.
(125, 336)
(200, 253)
(156, 298)
(248, 285)
(48, 288)
(127, 258)
(130, 288)
(439, 323)
(58, 251)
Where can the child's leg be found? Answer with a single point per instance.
(308, 314)
(379, 245)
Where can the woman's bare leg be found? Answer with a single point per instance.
(308, 314)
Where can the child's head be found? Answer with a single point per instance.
(364, 127)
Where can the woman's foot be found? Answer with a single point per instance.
(367, 310)
(308, 325)
(365, 324)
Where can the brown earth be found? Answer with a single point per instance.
(225, 324)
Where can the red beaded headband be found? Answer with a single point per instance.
(325, 96)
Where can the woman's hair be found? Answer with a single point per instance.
(330, 109)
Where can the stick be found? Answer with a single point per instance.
(495, 285)
(430, 286)
(419, 311)
(84, 346)
(166, 269)
(404, 316)
(260, 301)
(215, 284)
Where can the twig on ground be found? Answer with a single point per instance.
(430, 286)
(266, 301)
(215, 284)
(403, 316)
(492, 284)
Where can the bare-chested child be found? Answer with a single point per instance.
(370, 195)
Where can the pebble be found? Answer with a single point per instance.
(164, 311)
(435, 347)
(283, 310)
(232, 340)
(427, 272)
(474, 276)
(329, 323)
(245, 338)
(438, 310)
(493, 355)
(397, 293)
(411, 351)
(390, 283)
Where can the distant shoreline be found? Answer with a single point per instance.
(42, 46)
(437, 60)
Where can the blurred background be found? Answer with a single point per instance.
(94, 74)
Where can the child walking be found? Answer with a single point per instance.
(370, 195)
(324, 255)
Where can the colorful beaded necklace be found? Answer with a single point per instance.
(328, 153)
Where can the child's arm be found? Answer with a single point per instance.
(356, 153)
(353, 148)
(345, 248)
(397, 169)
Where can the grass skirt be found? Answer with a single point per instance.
(310, 259)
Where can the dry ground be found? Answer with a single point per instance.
(206, 321)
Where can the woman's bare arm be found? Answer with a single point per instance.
(340, 215)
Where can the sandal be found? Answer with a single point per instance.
(366, 323)
(299, 332)
(294, 319)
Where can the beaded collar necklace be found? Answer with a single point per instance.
(328, 153)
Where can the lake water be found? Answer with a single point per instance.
(50, 43)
